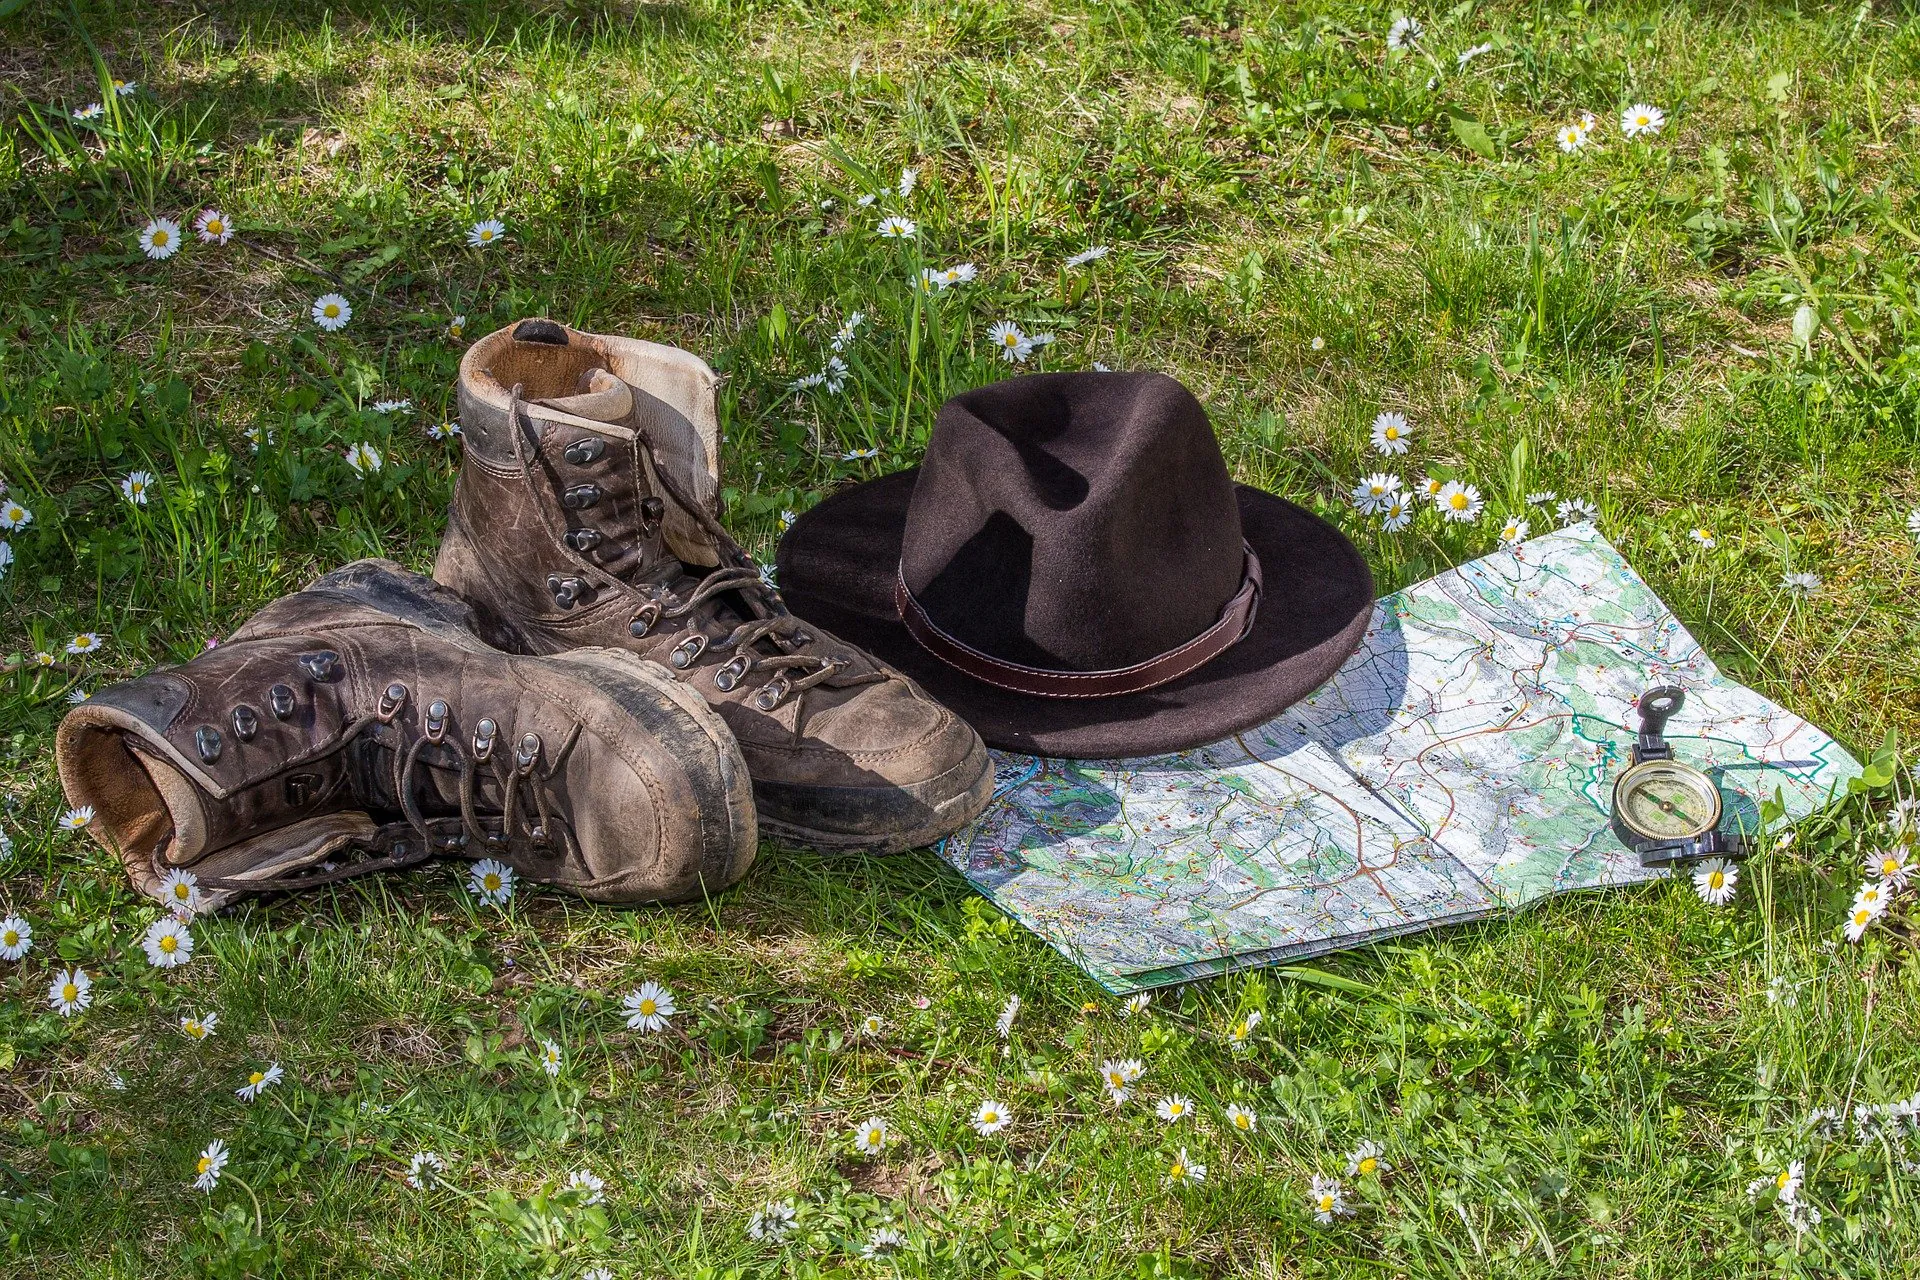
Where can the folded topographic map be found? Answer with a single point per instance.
(1460, 764)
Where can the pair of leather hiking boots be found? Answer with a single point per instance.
(597, 687)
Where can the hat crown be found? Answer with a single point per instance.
(1075, 521)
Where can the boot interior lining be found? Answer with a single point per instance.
(102, 770)
(542, 370)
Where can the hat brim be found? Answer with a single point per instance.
(837, 566)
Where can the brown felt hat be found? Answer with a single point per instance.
(1073, 571)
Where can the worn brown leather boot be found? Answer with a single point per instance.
(362, 725)
(586, 513)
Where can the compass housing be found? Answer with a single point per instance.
(1659, 801)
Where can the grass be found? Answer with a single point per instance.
(1713, 327)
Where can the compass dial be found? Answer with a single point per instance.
(1667, 800)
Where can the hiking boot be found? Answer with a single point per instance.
(586, 513)
(362, 725)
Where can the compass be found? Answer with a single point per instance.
(1664, 809)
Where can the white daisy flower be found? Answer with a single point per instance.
(1802, 586)
(1541, 498)
(649, 1008)
(1572, 137)
(1375, 491)
(1715, 880)
(168, 943)
(1328, 1199)
(1118, 1075)
(866, 201)
(1013, 345)
(1787, 1183)
(125, 88)
(491, 881)
(331, 312)
(1890, 866)
(843, 336)
(1397, 514)
(1011, 1010)
(1859, 919)
(1642, 118)
(445, 430)
(883, 1242)
(859, 455)
(85, 642)
(424, 1170)
(76, 819)
(1913, 522)
(1318, 344)
(457, 327)
(1365, 1160)
(1404, 32)
(364, 458)
(787, 519)
(806, 382)
(1459, 502)
(258, 1082)
(1185, 1169)
(871, 1025)
(1874, 896)
(772, 1221)
(1242, 1033)
(1704, 538)
(871, 1137)
(206, 1171)
(77, 696)
(160, 238)
(134, 487)
(201, 1027)
(486, 232)
(1174, 1108)
(92, 111)
(1390, 432)
(70, 991)
(1574, 510)
(212, 227)
(16, 938)
(14, 516)
(1242, 1119)
(834, 374)
(550, 1057)
(42, 658)
(6, 557)
(597, 1273)
(1136, 1003)
(958, 273)
(1513, 532)
(591, 1186)
(1085, 256)
(392, 406)
(909, 178)
(1465, 56)
(991, 1118)
(895, 227)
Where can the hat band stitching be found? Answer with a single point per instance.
(1235, 621)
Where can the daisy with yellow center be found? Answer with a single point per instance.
(871, 1137)
(1242, 1119)
(1185, 1169)
(649, 1008)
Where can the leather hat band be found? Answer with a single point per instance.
(1235, 620)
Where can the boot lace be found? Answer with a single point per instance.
(772, 642)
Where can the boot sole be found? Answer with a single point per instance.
(900, 817)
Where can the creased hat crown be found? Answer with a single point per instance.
(1077, 521)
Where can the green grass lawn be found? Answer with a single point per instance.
(1716, 326)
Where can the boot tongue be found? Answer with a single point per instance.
(193, 823)
(604, 399)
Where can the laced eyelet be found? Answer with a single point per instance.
(728, 673)
(688, 651)
(527, 753)
(483, 734)
(643, 619)
(436, 720)
(392, 699)
(770, 697)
